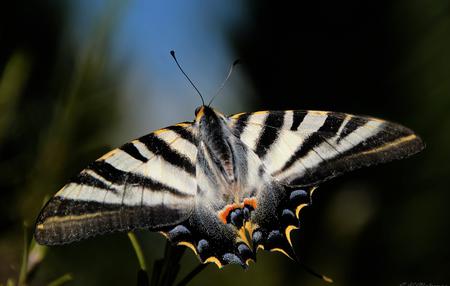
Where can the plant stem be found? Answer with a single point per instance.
(166, 269)
(137, 250)
(23, 267)
(61, 280)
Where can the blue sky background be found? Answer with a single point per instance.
(155, 93)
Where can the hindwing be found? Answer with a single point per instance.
(300, 149)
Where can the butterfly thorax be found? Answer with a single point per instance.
(215, 135)
(221, 158)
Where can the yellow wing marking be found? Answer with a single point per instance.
(164, 234)
(184, 124)
(298, 209)
(243, 236)
(214, 260)
(107, 155)
(391, 144)
(248, 261)
(188, 244)
(156, 132)
(56, 219)
(260, 112)
(236, 116)
(312, 191)
(288, 232)
(282, 251)
(159, 131)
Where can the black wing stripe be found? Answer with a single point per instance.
(297, 119)
(131, 150)
(183, 133)
(328, 129)
(118, 177)
(68, 207)
(351, 125)
(380, 147)
(161, 148)
(63, 221)
(269, 135)
(240, 124)
(86, 179)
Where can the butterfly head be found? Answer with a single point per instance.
(205, 113)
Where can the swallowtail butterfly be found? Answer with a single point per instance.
(207, 183)
(222, 185)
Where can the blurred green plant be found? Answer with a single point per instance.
(32, 256)
(12, 82)
(165, 270)
(58, 105)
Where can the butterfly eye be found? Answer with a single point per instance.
(197, 110)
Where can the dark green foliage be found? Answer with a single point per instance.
(52, 94)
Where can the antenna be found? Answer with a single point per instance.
(230, 71)
(172, 53)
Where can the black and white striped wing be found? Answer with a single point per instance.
(147, 183)
(307, 147)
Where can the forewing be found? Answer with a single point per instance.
(307, 147)
(147, 183)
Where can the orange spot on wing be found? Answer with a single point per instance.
(223, 214)
(251, 202)
(214, 260)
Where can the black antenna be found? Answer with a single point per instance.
(225, 81)
(172, 53)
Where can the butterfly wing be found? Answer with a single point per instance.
(147, 183)
(299, 150)
(302, 148)
(162, 182)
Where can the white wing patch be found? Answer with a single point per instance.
(252, 131)
(307, 143)
(148, 182)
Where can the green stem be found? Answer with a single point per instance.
(165, 270)
(61, 280)
(137, 250)
(23, 267)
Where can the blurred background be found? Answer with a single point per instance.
(81, 77)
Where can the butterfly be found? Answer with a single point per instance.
(223, 186)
